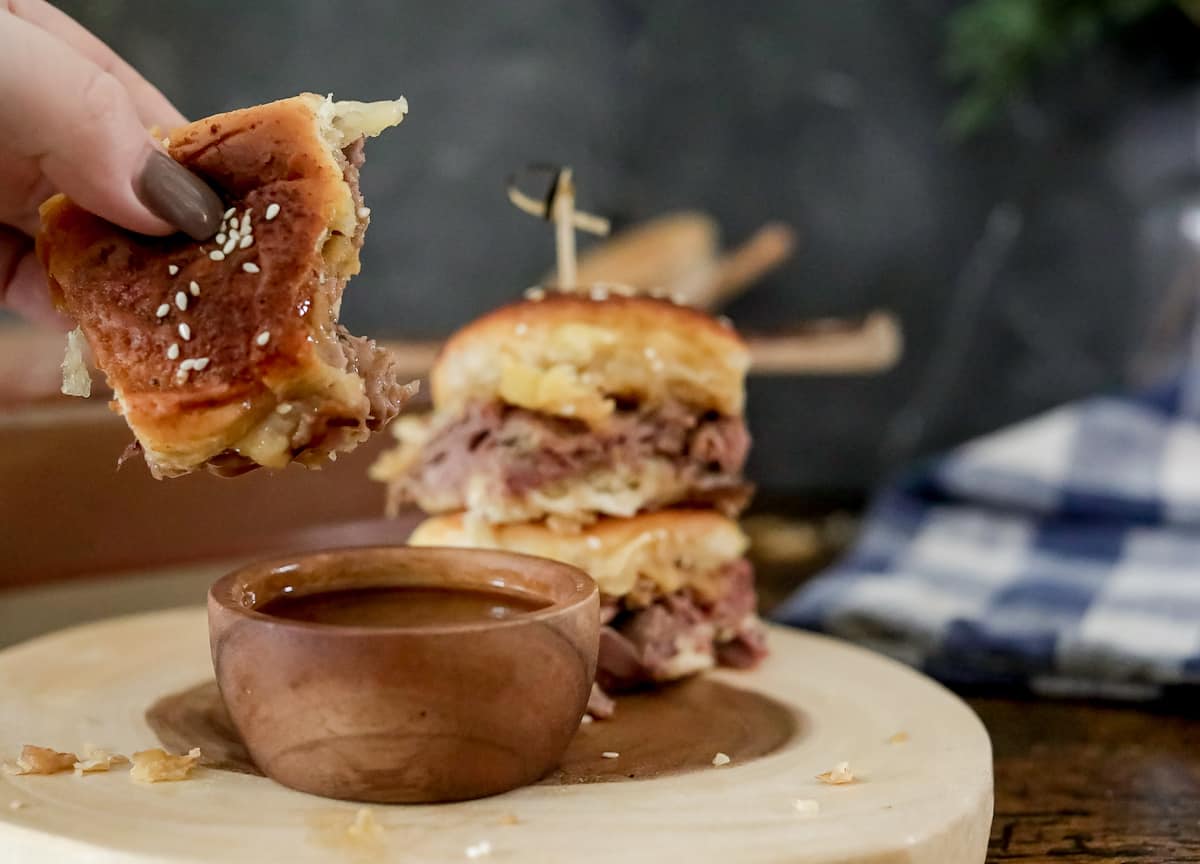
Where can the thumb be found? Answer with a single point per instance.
(80, 125)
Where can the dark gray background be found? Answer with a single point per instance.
(1024, 263)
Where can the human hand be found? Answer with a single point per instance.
(74, 118)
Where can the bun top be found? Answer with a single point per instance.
(670, 549)
(579, 355)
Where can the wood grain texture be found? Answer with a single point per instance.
(1086, 783)
(924, 801)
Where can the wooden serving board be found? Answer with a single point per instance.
(923, 796)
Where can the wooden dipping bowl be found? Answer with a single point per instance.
(405, 714)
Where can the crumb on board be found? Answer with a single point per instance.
(510, 819)
(157, 765)
(478, 850)
(99, 760)
(41, 760)
(898, 738)
(806, 805)
(610, 754)
(16, 804)
(721, 759)
(364, 827)
(840, 775)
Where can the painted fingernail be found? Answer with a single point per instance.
(178, 196)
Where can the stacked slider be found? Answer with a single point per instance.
(605, 431)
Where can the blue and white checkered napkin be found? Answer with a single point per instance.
(1061, 554)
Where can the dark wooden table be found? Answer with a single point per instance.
(1075, 782)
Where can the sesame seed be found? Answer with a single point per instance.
(233, 234)
(220, 239)
(246, 221)
(263, 338)
(200, 363)
(229, 212)
(535, 294)
(172, 269)
(246, 242)
(217, 255)
(568, 410)
(161, 311)
(272, 211)
(284, 408)
(194, 287)
(173, 351)
(610, 754)
(593, 542)
(185, 332)
(181, 375)
(721, 759)
(599, 293)
(229, 246)
(364, 212)
(181, 300)
(478, 850)
(587, 718)
(649, 352)
(521, 329)
(187, 365)
(678, 299)
(250, 267)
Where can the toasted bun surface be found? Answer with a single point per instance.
(295, 157)
(670, 549)
(576, 355)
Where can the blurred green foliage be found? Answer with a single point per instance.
(995, 47)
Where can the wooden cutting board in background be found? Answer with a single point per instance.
(923, 797)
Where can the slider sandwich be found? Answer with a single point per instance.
(570, 407)
(227, 355)
(604, 431)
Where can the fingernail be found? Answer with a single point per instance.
(178, 196)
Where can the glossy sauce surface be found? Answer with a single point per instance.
(401, 606)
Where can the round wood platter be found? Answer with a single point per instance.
(920, 758)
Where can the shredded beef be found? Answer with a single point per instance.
(636, 646)
(526, 450)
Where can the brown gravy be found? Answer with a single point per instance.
(401, 606)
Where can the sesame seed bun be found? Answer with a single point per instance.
(276, 381)
(670, 549)
(576, 355)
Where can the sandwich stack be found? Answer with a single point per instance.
(605, 431)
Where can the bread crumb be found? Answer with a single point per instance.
(898, 738)
(806, 805)
(510, 819)
(840, 775)
(41, 760)
(479, 850)
(364, 827)
(99, 760)
(721, 759)
(610, 754)
(157, 765)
